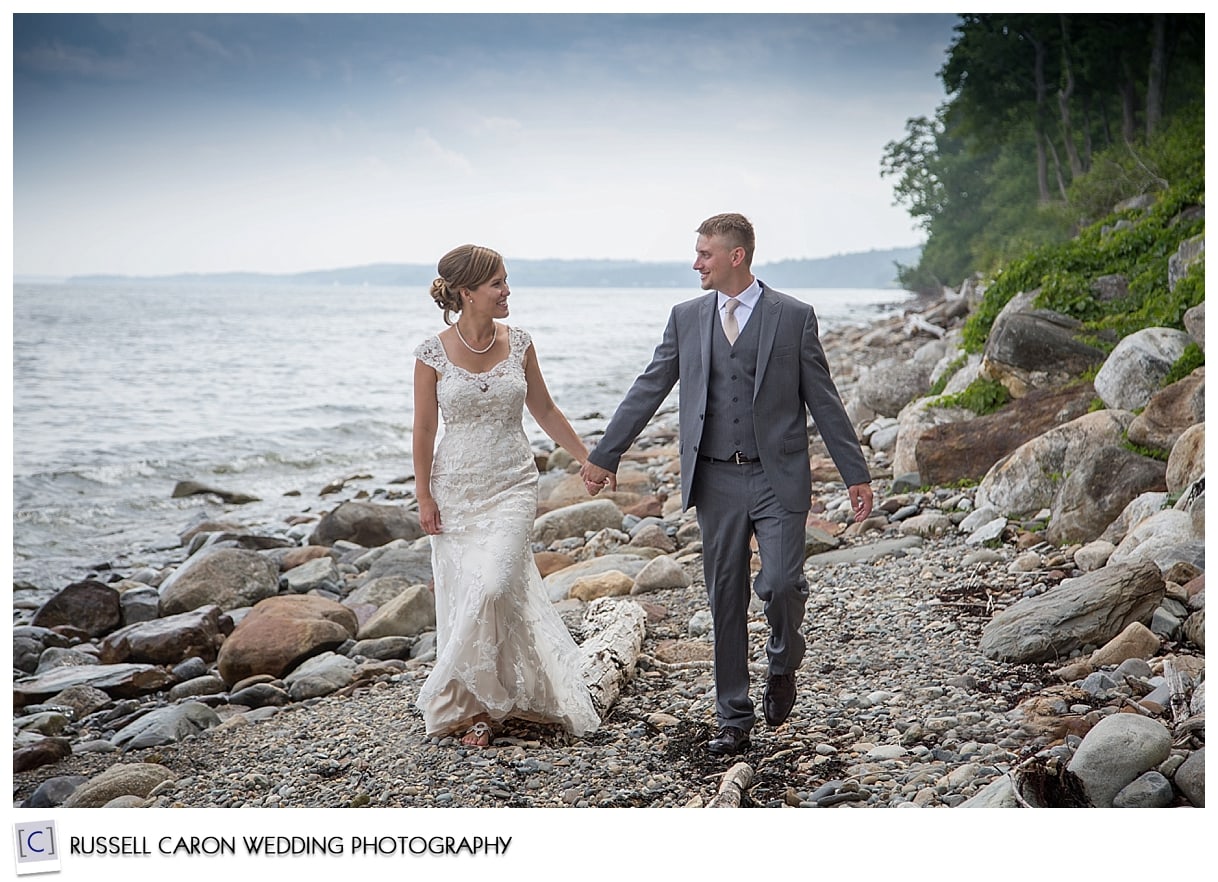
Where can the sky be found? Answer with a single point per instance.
(148, 144)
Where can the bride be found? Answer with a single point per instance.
(501, 649)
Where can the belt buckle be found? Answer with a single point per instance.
(738, 458)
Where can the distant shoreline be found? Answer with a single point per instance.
(867, 269)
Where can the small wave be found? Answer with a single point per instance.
(85, 480)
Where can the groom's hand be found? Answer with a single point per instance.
(597, 479)
(861, 501)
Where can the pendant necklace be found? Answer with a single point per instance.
(494, 337)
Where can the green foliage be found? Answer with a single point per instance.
(940, 178)
(1191, 359)
(981, 397)
(1008, 166)
(1139, 250)
(1149, 452)
(1150, 303)
(940, 384)
(1124, 171)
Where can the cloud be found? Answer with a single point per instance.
(445, 158)
(527, 130)
(75, 61)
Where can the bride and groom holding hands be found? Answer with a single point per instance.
(751, 369)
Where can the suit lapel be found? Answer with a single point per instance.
(709, 321)
(769, 309)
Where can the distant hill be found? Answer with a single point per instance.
(867, 269)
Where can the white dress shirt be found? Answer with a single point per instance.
(748, 299)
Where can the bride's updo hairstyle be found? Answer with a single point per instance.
(466, 266)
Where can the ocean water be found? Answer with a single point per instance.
(120, 391)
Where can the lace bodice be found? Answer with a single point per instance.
(468, 397)
(482, 412)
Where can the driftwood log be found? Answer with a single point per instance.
(735, 782)
(615, 629)
(1179, 692)
(1043, 781)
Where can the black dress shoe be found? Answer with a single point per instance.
(779, 698)
(728, 740)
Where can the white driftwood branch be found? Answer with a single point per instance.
(616, 628)
(731, 789)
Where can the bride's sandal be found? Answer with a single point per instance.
(479, 735)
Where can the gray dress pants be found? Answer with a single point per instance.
(734, 503)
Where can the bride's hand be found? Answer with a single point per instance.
(429, 517)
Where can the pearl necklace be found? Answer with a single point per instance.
(494, 337)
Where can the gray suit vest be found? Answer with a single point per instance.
(729, 398)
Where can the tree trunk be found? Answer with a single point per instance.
(1105, 123)
(1156, 76)
(1064, 95)
(1087, 144)
(1042, 163)
(1057, 170)
(1129, 107)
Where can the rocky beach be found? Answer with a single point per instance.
(1020, 623)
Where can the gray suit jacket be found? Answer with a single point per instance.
(792, 380)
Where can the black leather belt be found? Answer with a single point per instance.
(738, 458)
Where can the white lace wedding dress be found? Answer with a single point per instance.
(501, 648)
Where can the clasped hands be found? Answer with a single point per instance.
(596, 478)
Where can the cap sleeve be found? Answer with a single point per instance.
(521, 341)
(431, 353)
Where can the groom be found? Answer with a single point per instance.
(751, 369)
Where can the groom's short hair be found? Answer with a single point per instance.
(735, 228)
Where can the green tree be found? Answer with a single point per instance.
(1034, 98)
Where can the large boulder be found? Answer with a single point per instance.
(1186, 462)
(914, 422)
(1029, 478)
(166, 641)
(1088, 610)
(558, 585)
(1180, 264)
(576, 520)
(892, 383)
(1194, 323)
(409, 612)
(124, 779)
(955, 451)
(126, 680)
(1097, 490)
(90, 606)
(281, 632)
(1136, 368)
(1115, 752)
(368, 524)
(1170, 412)
(230, 578)
(1135, 511)
(1030, 348)
(1167, 537)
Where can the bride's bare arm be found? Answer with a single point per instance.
(426, 424)
(547, 413)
